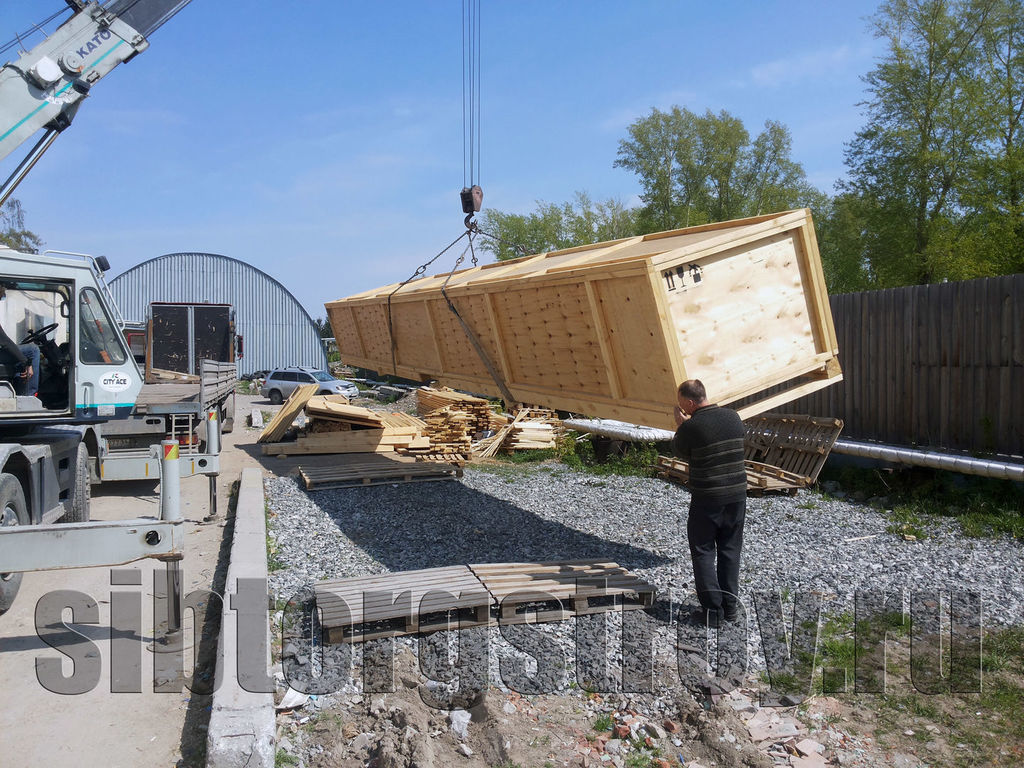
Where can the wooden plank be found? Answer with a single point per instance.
(327, 406)
(283, 419)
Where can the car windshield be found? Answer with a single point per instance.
(322, 376)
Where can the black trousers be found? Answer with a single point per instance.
(716, 530)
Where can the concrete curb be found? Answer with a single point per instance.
(242, 724)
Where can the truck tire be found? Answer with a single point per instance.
(228, 415)
(13, 511)
(275, 397)
(76, 506)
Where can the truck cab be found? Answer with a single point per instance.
(86, 373)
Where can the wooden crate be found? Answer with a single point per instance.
(610, 329)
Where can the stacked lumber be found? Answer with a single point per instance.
(429, 400)
(337, 427)
(450, 430)
(533, 428)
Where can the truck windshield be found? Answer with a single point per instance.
(98, 340)
(322, 376)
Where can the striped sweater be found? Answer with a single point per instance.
(711, 441)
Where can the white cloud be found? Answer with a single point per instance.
(812, 65)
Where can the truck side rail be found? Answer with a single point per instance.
(217, 382)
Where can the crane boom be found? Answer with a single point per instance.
(44, 88)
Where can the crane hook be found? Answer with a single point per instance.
(472, 201)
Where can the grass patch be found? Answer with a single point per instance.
(982, 506)
(987, 723)
(621, 458)
(282, 759)
(273, 564)
(602, 723)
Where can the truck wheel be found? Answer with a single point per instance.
(228, 414)
(76, 507)
(13, 511)
(275, 397)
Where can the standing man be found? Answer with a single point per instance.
(710, 439)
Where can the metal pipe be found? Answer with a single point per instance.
(27, 164)
(619, 430)
(170, 482)
(212, 448)
(1002, 470)
(170, 510)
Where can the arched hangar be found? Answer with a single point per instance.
(276, 330)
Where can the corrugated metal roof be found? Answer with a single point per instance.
(277, 331)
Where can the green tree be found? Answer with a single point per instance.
(553, 226)
(695, 169)
(12, 229)
(995, 192)
(323, 328)
(908, 166)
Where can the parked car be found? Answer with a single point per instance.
(281, 382)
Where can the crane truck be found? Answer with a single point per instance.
(50, 443)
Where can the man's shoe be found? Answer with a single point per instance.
(711, 618)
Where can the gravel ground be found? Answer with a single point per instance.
(514, 513)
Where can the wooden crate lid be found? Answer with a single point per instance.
(655, 249)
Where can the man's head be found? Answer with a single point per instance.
(691, 396)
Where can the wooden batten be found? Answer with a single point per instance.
(610, 329)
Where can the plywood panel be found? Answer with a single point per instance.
(457, 353)
(417, 347)
(342, 320)
(550, 339)
(746, 317)
(637, 339)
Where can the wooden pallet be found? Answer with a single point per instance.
(367, 607)
(433, 455)
(761, 478)
(797, 444)
(552, 591)
(359, 469)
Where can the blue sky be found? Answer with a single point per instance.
(322, 141)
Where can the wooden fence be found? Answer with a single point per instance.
(938, 366)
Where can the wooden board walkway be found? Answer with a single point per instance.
(359, 469)
(390, 604)
(386, 605)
